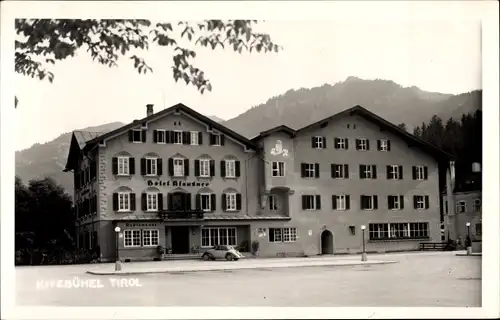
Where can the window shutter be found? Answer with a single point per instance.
(400, 172)
(186, 167)
(212, 168)
(347, 202)
(168, 136)
(336, 143)
(374, 171)
(304, 202)
(171, 166)
(379, 145)
(425, 173)
(159, 164)
(346, 171)
(316, 170)
(334, 202)
(313, 145)
(303, 170)
(367, 144)
(389, 203)
(198, 201)
(318, 202)
(200, 138)
(324, 142)
(346, 143)
(357, 144)
(224, 204)
(375, 202)
(186, 137)
(132, 202)
(388, 168)
(187, 201)
(332, 169)
(414, 172)
(115, 165)
(426, 202)
(222, 139)
(196, 168)
(212, 138)
(237, 168)
(401, 202)
(388, 145)
(144, 202)
(131, 165)
(130, 135)
(143, 134)
(362, 171)
(223, 168)
(362, 202)
(213, 204)
(155, 136)
(238, 201)
(415, 202)
(143, 166)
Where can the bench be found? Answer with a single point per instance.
(433, 246)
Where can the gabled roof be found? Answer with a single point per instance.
(82, 137)
(177, 107)
(281, 128)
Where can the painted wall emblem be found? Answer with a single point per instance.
(278, 149)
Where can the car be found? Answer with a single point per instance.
(222, 252)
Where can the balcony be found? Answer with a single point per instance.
(173, 214)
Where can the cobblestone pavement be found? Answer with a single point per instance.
(418, 280)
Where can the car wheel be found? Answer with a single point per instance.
(206, 257)
(235, 259)
(229, 257)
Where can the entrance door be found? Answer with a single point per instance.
(326, 242)
(180, 240)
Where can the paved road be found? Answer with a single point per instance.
(416, 281)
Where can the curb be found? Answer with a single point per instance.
(186, 270)
(477, 254)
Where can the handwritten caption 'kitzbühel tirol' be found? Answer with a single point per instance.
(77, 283)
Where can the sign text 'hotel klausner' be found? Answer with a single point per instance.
(175, 183)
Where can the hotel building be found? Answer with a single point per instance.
(180, 180)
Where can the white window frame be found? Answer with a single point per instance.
(230, 168)
(279, 171)
(178, 168)
(318, 141)
(150, 237)
(231, 201)
(383, 144)
(159, 133)
(341, 202)
(204, 164)
(313, 202)
(140, 135)
(193, 138)
(151, 201)
(420, 202)
(155, 166)
(125, 166)
(371, 203)
(397, 203)
(363, 144)
(420, 172)
(217, 139)
(460, 204)
(281, 235)
(339, 171)
(394, 172)
(341, 144)
(368, 172)
(134, 235)
(125, 197)
(272, 200)
(230, 234)
(310, 170)
(476, 205)
(177, 133)
(209, 195)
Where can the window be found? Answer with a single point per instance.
(205, 168)
(384, 145)
(318, 142)
(399, 230)
(477, 205)
(352, 230)
(161, 136)
(230, 168)
(150, 238)
(278, 169)
(132, 238)
(205, 202)
(177, 137)
(340, 202)
(395, 202)
(123, 201)
(230, 201)
(461, 206)
(218, 236)
(282, 234)
(137, 135)
(310, 170)
(369, 202)
(123, 165)
(362, 144)
(367, 171)
(340, 171)
(394, 172)
(341, 143)
(421, 202)
(479, 229)
(178, 167)
(194, 137)
(311, 202)
(215, 139)
(151, 166)
(420, 173)
(152, 201)
(273, 202)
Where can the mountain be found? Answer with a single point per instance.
(216, 119)
(397, 104)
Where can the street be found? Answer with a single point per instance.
(417, 280)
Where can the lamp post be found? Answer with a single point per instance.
(118, 265)
(363, 254)
(468, 241)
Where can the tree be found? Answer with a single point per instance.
(402, 126)
(45, 41)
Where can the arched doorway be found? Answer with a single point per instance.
(326, 242)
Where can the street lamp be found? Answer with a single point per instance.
(363, 254)
(118, 265)
(468, 242)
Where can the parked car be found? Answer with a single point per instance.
(222, 252)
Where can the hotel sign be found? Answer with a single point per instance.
(176, 183)
(129, 225)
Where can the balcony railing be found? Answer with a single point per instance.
(171, 214)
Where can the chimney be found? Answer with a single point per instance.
(149, 109)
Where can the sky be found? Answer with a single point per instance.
(439, 56)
